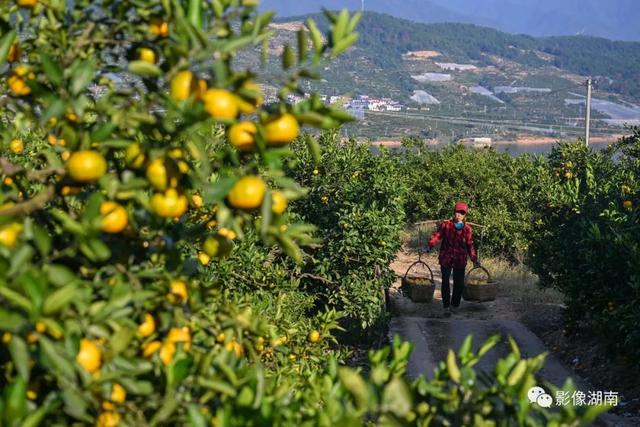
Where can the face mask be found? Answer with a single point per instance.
(458, 225)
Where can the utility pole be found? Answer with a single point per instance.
(587, 113)
(362, 5)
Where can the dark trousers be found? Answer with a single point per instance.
(458, 286)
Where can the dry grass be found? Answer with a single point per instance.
(517, 282)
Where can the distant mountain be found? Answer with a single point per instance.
(612, 19)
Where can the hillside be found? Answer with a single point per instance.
(613, 19)
(505, 84)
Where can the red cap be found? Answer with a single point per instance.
(461, 206)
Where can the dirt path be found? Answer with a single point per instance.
(432, 334)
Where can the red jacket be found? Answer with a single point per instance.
(456, 245)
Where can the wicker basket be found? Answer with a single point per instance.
(484, 291)
(419, 287)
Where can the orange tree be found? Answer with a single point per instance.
(356, 201)
(114, 115)
(586, 238)
(502, 191)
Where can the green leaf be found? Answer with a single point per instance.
(168, 406)
(302, 46)
(218, 386)
(58, 300)
(20, 356)
(288, 57)
(216, 192)
(16, 400)
(5, 45)
(11, 321)
(144, 69)
(452, 367)
(488, 345)
(316, 36)
(396, 398)
(75, 404)
(42, 239)
(56, 359)
(58, 275)
(20, 259)
(344, 44)
(35, 418)
(81, 75)
(16, 299)
(314, 148)
(120, 340)
(51, 69)
(196, 417)
(355, 385)
(290, 248)
(340, 27)
(465, 348)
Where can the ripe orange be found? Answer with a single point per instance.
(228, 233)
(196, 200)
(9, 234)
(158, 27)
(220, 104)
(134, 157)
(118, 393)
(115, 218)
(183, 335)
(147, 327)
(16, 146)
(217, 246)
(235, 347)
(167, 351)
(169, 204)
(204, 258)
(151, 348)
(27, 3)
(89, 355)
(86, 166)
(182, 85)
(243, 136)
(282, 130)
(108, 419)
(179, 291)
(163, 173)
(247, 193)
(314, 336)
(278, 202)
(147, 55)
(18, 85)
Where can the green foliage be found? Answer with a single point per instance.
(501, 191)
(356, 201)
(587, 239)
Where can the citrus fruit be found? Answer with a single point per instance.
(147, 327)
(151, 348)
(278, 202)
(235, 347)
(167, 351)
(89, 355)
(118, 393)
(134, 156)
(282, 130)
(163, 173)
(183, 335)
(243, 136)
(196, 200)
(147, 55)
(16, 146)
(247, 192)
(217, 246)
(86, 166)
(204, 258)
(314, 336)
(108, 419)
(158, 27)
(27, 3)
(114, 217)
(9, 234)
(220, 104)
(178, 290)
(169, 204)
(182, 85)
(18, 85)
(628, 204)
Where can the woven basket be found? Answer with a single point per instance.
(479, 292)
(419, 287)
